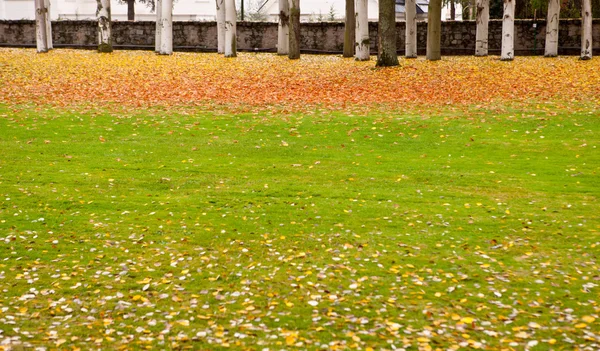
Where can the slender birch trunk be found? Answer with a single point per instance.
(104, 32)
(363, 43)
(166, 30)
(283, 32)
(387, 55)
(294, 42)
(221, 26)
(410, 41)
(551, 49)
(434, 30)
(483, 19)
(349, 29)
(508, 31)
(586, 30)
(230, 29)
(158, 31)
(131, 10)
(40, 26)
(48, 20)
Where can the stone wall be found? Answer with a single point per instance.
(458, 38)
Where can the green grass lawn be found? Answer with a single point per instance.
(190, 229)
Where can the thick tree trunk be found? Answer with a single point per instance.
(483, 18)
(131, 10)
(349, 29)
(363, 43)
(166, 30)
(294, 45)
(434, 30)
(158, 33)
(230, 29)
(41, 38)
(221, 11)
(508, 31)
(283, 31)
(551, 49)
(386, 55)
(586, 30)
(48, 20)
(104, 33)
(410, 46)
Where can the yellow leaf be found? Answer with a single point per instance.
(467, 320)
(588, 319)
(290, 339)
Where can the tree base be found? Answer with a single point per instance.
(105, 48)
(411, 57)
(387, 61)
(586, 57)
(550, 55)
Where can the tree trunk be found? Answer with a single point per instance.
(434, 30)
(104, 33)
(221, 11)
(230, 29)
(158, 33)
(283, 32)
(472, 4)
(551, 49)
(363, 43)
(294, 45)
(586, 30)
(349, 29)
(411, 29)
(452, 10)
(131, 10)
(41, 38)
(483, 18)
(387, 55)
(242, 14)
(48, 20)
(508, 31)
(166, 30)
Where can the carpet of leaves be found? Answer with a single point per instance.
(139, 277)
(134, 78)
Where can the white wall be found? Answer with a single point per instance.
(184, 10)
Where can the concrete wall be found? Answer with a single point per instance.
(458, 38)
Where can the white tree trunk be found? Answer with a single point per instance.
(104, 32)
(551, 49)
(508, 31)
(363, 44)
(411, 29)
(482, 20)
(283, 33)
(166, 31)
(48, 25)
(586, 30)
(221, 26)
(158, 35)
(40, 26)
(230, 29)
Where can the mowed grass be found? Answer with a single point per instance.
(195, 229)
